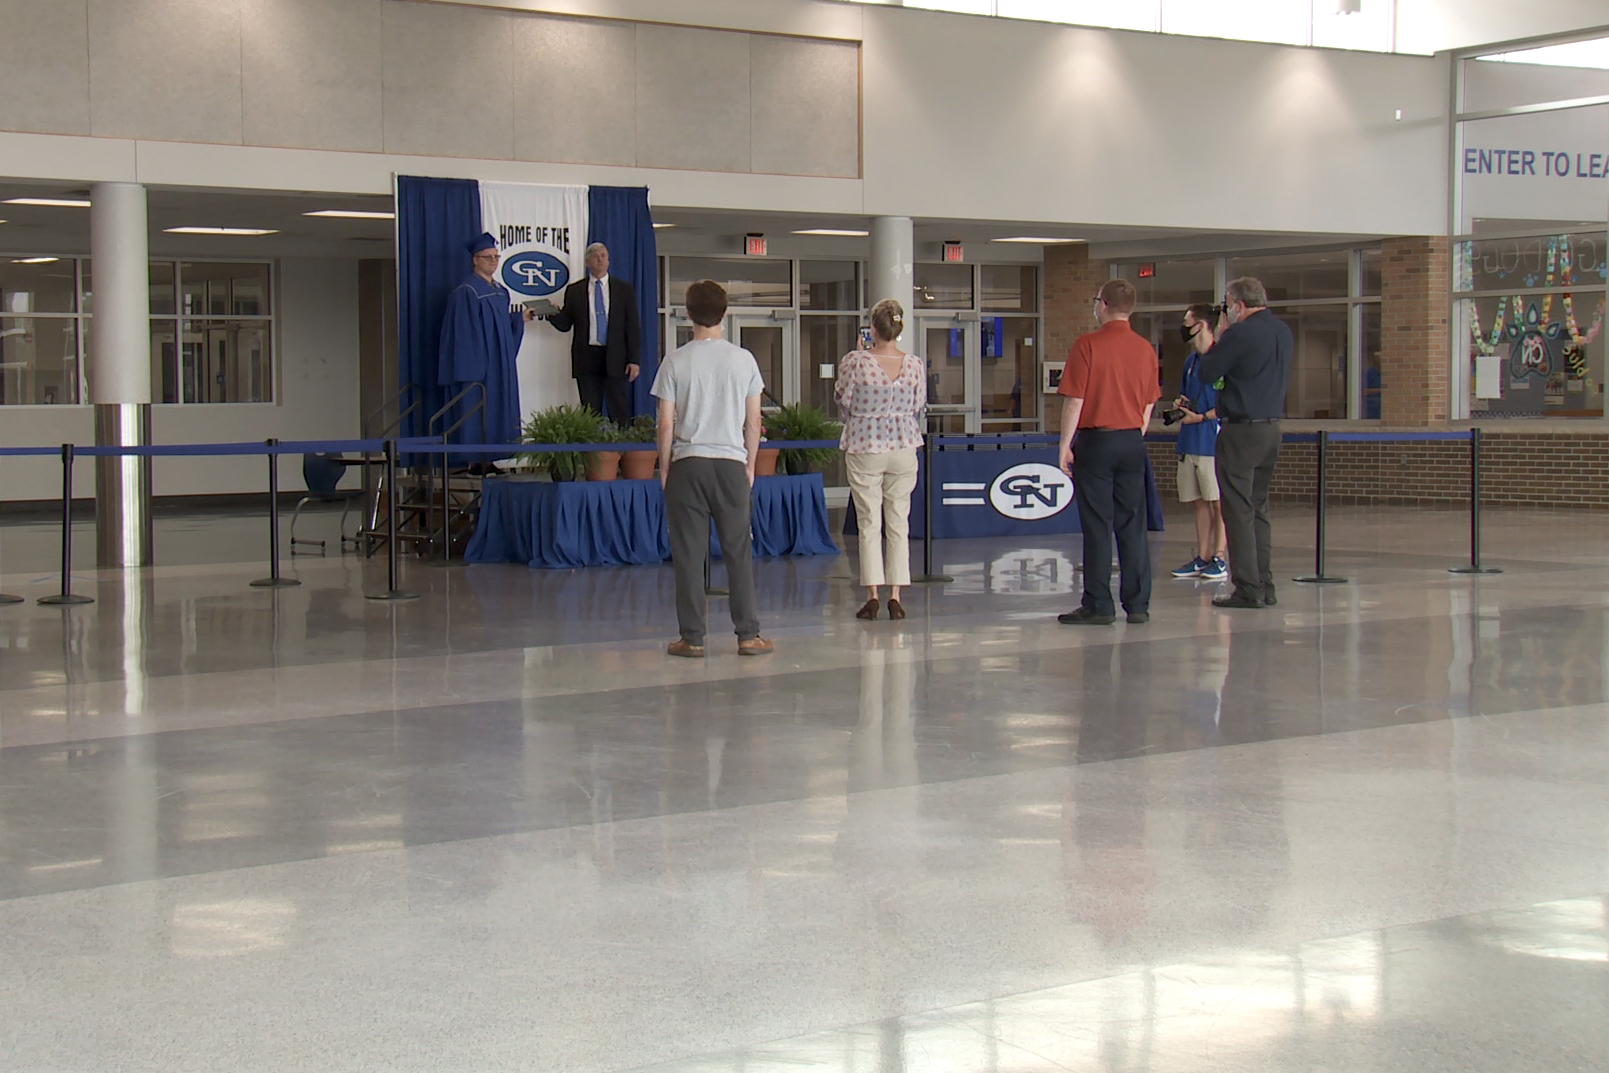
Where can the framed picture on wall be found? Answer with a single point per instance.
(1052, 376)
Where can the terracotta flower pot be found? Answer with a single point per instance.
(766, 464)
(603, 465)
(639, 465)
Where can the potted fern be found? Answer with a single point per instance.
(604, 465)
(639, 465)
(561, 424)
(801, 421)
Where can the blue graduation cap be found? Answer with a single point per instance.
(484, 242)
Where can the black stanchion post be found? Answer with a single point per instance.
(928, 576)
(1475, 566)
(392, 592)
(273, 580)
(66, 597)
(1318, 576)
(9, 598)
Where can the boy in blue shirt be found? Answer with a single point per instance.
(1198, 438)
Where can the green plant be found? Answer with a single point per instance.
(801, 421)
(562, 424)
(641, 430)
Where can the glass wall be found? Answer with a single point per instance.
(1530, 186)
(40, 344)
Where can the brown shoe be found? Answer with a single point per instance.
(896, 609)
(685, 648)
(868, 610)
(755, 646)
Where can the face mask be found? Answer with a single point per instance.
(1187, 332)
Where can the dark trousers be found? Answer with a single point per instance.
(1109, 484)
(697, 491)
(1246, 455)
(596, 386)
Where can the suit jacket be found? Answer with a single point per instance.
(625, 327)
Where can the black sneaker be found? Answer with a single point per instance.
(1139, 618)
(1237, 599)
(1269, 599)
(1085, 617)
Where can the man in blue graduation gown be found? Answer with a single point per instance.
(480, 338)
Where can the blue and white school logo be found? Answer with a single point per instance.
(1031, 491)
(534, 274)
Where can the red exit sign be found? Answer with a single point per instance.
(754, 245)
(954, 253)
(1148, 270)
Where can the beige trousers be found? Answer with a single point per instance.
(881, 486)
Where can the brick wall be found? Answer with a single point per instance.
(1071, 280)
(1413, 330)
(1518, 469)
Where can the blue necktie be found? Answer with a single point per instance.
(599, 314)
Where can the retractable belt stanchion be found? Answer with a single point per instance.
(9, 598)
(928, 576)
(1318, 576)
(392, 592)
(273, 580)
(1475, 566)
(66, 597)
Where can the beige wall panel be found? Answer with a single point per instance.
(575, 91)
(806, 98)
(44, 66)
(165, 69)
(692, 99)
(448, 78)
(311, 73)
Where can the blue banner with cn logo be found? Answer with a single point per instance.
(1009, 491)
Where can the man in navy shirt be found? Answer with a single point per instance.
(1198, 439)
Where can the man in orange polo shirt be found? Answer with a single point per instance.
(1109, 387)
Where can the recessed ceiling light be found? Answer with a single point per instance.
(1038, 240)
(661, 227)
(34, 260)
(833, 231)
(221, 230)
(352, 214)
(51, 202)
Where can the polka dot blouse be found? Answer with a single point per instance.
(880, 415)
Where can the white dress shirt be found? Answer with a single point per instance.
(592, 307)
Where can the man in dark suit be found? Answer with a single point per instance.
(602, 311)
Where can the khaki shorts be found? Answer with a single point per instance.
(1198, 478)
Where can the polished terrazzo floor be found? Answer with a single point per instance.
(497, 829)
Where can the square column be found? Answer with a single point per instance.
(1072, 280)
(1415, 300)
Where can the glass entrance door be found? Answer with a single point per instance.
(771, 342)
(949, 345)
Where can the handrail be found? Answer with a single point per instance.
(379, 411)
(430, 426)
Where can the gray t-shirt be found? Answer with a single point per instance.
(710, 381)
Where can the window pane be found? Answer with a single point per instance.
(225, 290)
(1295, 276)
(46, 286)
(749, 281)
(38, 360)
(1535, 355)
(823, 341)
(1539, 172)
(1162, 331)
(829, 284)
(1010, 288)
(943, 286)
(224, 361)
(1372, 383)
(1528, 263)
(1371, 272)
(1010, 347)
(1174, 283)
(1536, 76)
(1318, 368)
(162, 288)
(164, 360)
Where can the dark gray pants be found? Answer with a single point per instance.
(1109, 485)
(1246, 455)
(698, 491)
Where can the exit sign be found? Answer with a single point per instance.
(1148, 270)
(754, 245)
(953, 252)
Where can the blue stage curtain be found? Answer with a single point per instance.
(619, 218)
(435, 219)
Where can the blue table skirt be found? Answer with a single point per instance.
(611, 523)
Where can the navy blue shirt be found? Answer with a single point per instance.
(1202, 438)
(1253, 359)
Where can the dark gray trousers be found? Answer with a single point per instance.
(1109, 485)
(1246, 455)
(698, 491)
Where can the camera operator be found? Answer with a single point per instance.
(1196, 414)
(1253, 359)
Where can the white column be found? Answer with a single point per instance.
(119, 370)
(893, 264)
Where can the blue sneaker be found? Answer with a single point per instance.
(1216, 570)
(1192, 568)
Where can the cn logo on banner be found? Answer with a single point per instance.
(535, 274)
(1031, 491)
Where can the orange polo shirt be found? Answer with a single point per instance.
(1115, 372)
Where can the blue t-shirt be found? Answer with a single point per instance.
(1202, 438)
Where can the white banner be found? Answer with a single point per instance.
(541, 232)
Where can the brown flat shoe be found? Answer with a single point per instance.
(868, 610)
(756, 646)
(896, 610)
(683, 648)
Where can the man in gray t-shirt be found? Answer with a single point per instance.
(709, 436)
